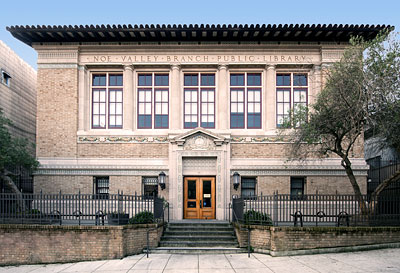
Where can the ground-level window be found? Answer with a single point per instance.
(248, 186)
(291, 95)
(150, 187)
(107, 100)
(297, 187)
(101, 186)
(153, 93)
(199, 100)
(245, 100)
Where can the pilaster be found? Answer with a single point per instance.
(128, 98)
(270, 98)
(223, 98)
(175, 103)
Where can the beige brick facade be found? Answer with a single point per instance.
(64, 183)
(73, 149)
(57, 112)
(128, 184)
(128, 150)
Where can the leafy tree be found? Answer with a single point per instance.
(361, 90)
(14, 152)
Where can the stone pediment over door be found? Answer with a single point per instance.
(199, 140)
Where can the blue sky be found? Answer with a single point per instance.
(82, 12)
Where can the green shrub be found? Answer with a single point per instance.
(256, 217)
(145, 217)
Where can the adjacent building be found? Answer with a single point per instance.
(118, 105)
(18, 102)
(18, 93)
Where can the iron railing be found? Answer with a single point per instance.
(317, 209)
(78, 209)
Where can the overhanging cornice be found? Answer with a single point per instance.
(193, 33)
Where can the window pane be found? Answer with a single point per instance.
(145, 80)
(207, 79)
(99, 80)
(300, 80)
(115, 80)
(190, 80)
(161, 80)
(96, 121)
(112, 96)
(158, 109)
(283, 80)
(237, 79)
(165, 96)
(118, 121)
(112, 108)
(234, 96)
(254, 79)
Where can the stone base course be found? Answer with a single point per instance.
(281, 241)
(33, 244)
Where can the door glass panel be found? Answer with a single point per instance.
(191, 204)
(191, 189)
(206, 193)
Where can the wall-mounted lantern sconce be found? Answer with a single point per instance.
(236, 180)
(161, 180)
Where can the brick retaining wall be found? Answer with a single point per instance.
(29, 244)
(289, 239)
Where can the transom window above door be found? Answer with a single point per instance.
(153, 97)
(199, 100)
(107, 100)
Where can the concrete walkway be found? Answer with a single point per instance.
(386, 260)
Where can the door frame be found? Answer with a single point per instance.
(199, 192)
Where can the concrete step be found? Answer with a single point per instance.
(197, 250)
(197, 238)
(198, 228)
(199, 233)
(198, 244)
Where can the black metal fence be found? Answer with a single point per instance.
(80, 209)
(317, 209)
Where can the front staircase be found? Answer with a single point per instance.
(198, 237)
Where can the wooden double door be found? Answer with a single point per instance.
(199, 200)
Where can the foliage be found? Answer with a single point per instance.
(144, 217)
(116, 213)
(13, 151)
(256, 217)
(361, 91)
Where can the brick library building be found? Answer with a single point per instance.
(188, 112)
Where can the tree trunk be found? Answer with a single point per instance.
(11, 185)
(349, 171)
(386, 183)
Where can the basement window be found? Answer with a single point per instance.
(5, 78)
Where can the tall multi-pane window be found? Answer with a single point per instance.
(199, 97)
(107, 100)
(291, 94)
(245, 89)
(153, 85)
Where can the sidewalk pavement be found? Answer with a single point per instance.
(384, 260)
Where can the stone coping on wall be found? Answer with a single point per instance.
(37, 244)
(285, 241)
